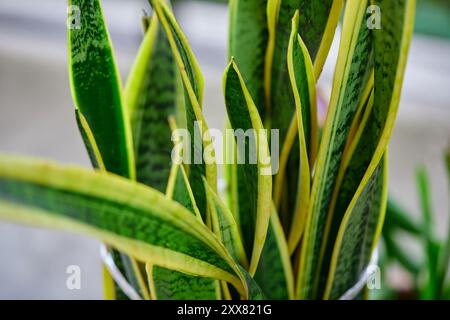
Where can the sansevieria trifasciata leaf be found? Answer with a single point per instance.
(255, 200)
(351, 74)
(151, 96)
(193, 89)
(132, 217)
(97, 95)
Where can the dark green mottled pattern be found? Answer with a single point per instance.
(181, 192)
(174, 285)
(225, 224)
(282, 103)
(270, 274)
(293, 165)
(116, 217)
(196, 170)
(312, 23)
(324, 179)
(96, 86)
(239, 117)
(301, 82)
(225, 233)
(356, 247)
(122, 261)
(387, 46)
(313, 17)
(248, 43)
(157, 101)
(337, 216)
(387, 42)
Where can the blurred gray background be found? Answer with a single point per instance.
(37, 119)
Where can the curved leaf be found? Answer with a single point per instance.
(303, 85)
(316, 22)
(391, 45)
(131, 217)
(151, 97)
(358, 234)
(193, 88)
(173, 285)
(255, 200)
(247, 45)
(96, 88)
(225, 227)
(351, 75)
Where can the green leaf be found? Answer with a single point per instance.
(225, 227)
(167, 284)
(365, 150)
(444, 255)
(193, 88)
(429, 247)
(179, 189)
(129, 216)
(394, 251)
(125, 264)
(151, 96)
(173, 285)
(96, 91)
(351, 75)
(89, 141)
(316, 24)
(255, 179)
(96, 88)
(358, 234)
(231, 176)
(247, 44)
(303, 87)
(397, 218)
(274, 273)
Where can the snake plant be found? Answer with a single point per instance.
(307, 231)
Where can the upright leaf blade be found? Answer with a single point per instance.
(351, 75)
(193, 88)
(225, 227)
(247, 44)
(316, 23)
(96, 91)
(96, 88)
(303, 85)
(430, 248)
(274, 273)
(255, 201)
(151, 96)
(358, 234)
(363, 154)
(316, 19)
